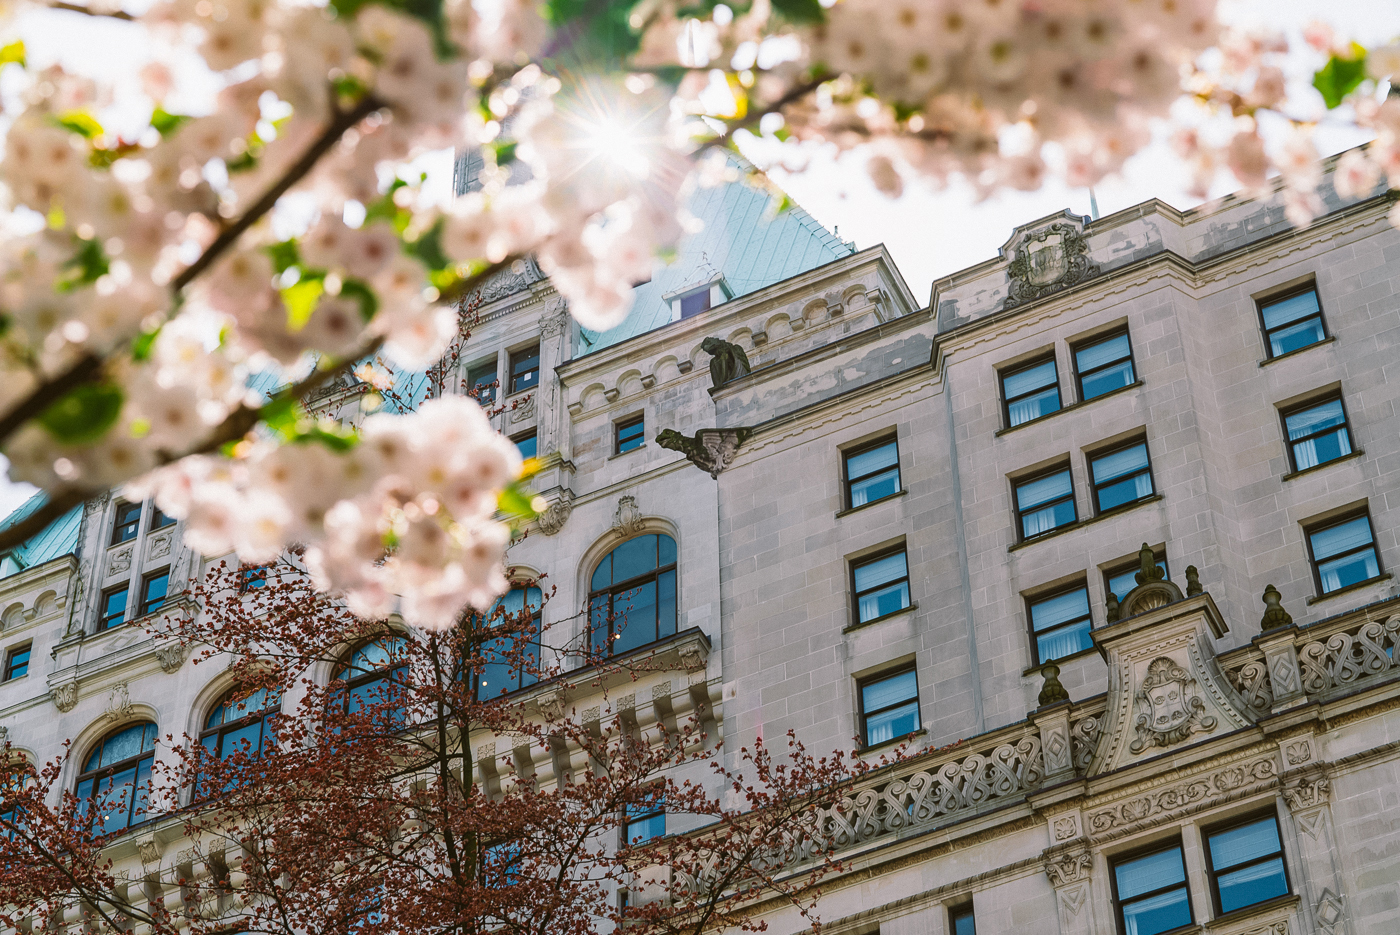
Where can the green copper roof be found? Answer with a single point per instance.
(59, 537)
(743, 239)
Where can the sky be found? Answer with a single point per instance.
(930, 233)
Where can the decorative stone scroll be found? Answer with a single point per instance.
(556, 515)
(64, 696)
(1047, 261)
(627, 521)
(170, 656)
(711, 450)
(1159, 804)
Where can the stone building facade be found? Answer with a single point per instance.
(1101, 535)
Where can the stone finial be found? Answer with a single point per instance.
(1053, 690)
(1113, 611)
(1147, 559)
(1274, 614)
(1193, 581)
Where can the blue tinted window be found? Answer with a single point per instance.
(1061, 624)
(115, 785)
(890, 707)
(1124, 581)
(631, 434)
(1122, 476)
(1318, 434)
(1247, 864)
(881, 585)
(872, 474)
(527, 445)
(1344, 554)
(511, 661)
(1293, 323)
(113, 608)
(1045, 503)
(1031, 392)
(633, 594)
(1152, 894)
(1104, 366)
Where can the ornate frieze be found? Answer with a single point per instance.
(1156, 805)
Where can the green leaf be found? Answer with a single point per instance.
(428, 248)
(1340, 76)
(81, 123)
(301, 300)
(281, 415)
(361, 292)
(166, 123)
(87, 266)
(804, 12)
(14, 52)
(602, 36)
(504, 152)
(84, 415)
(514, 501)
(284, 255)
(141, 347)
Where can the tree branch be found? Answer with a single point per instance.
(89, 11)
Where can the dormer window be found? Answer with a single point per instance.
(698, 297)
(695, 303)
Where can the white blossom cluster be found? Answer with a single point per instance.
(143, 279)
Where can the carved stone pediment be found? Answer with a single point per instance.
(1165, 688)
(1046, 259)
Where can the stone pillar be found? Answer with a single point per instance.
(551, 415)
(1069, 867)
(1052, 721)
(1281, 659)
(1324, 898)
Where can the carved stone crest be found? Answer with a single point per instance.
(710, 450)
(1169, 709)
(555, 320)
(64, 696)
(160, 546)
(118, 703)
(525, 410)
(627, 521)
(1047, 261)
(170, 657)
(518, 278)
(556, 515)
(120, 561)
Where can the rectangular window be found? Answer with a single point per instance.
(527, 444)
(153, 591)
(1121, 476)
(1031, 392)
(1246, 864)
(1044, 503)
(127, 522)
(1104, 366)
(252, 577)
(525, 369)
(1060, 624)
(1293, 323)
(481, 383)
(962, 922)
(889, 707)
(872, 473)
(159, 520)
(881, 585)
(17, 661)
(631, 434)
(113, 608)
(1120, 582)
(1344, 554)
(695, 303)
(645, 820)
(1150, 892)
(1317, 434)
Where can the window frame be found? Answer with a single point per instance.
(1214, 876)
(267, 715)
(1311, 528)
(473, 373)
(856, 451)
(144, 601)
(523, 354)
(116, 537)
(536, 624)
(533, 434)
(656, 806)
(1087, 343)
(10, 653)
(1147, 851)
(1094, 485)
(616, 588)
(693, 293)
(104, 622)
(1313, 403)
(870, 559)
(883, 676)
(1132, 564)
(343, 672)
(1011, 371)
(1042, 597)
(101, 772)
(1279, 297)
(160, 520)
(638, 420)
(957, 914)
(1018, 482)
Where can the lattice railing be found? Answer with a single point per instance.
(1331, 657)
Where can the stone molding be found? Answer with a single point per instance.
(1069, 866)
(64, 696)
(1155, 803)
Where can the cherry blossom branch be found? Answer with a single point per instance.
(89, 11)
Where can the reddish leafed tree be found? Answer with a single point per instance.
(334, 790)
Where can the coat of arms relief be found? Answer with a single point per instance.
(1169, 709)
(1047, 260)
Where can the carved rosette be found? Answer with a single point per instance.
(1169, 708)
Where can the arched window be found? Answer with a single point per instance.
(116, 778)
(498, 675)
(372, 671)
(632, 596)
(236, 721)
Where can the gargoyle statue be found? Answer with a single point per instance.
(710, 450)
(727, 361)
